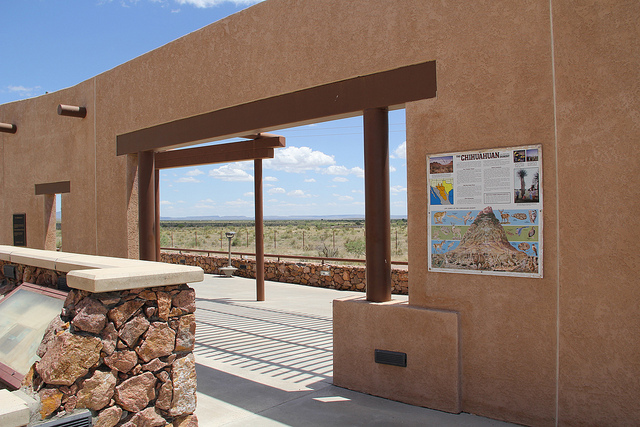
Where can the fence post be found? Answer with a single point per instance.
(334, 240)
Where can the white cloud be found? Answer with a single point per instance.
(188, 179)
(270, 178)
(340, 179)
(23, 89)
(237, 202)
(298, 193)
(195, 172)
(357, 191)
(166, 203)
(343, 171)
(25, 92)
(309, 180)
(400, 152)
(205, 206)
(277, 190)
(398, 189)
(231, 172)
(207, 201)
(392, 169)
(212, 3)
(336, 170)
(343, 198)
(357, 171)
(298, 160)
(248, 194)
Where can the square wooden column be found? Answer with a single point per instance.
(147, 205)
(257, 178)
(377, 204)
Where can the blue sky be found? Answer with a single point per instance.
(49, 45)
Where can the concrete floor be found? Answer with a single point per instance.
(270, 363)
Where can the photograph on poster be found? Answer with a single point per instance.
(528, 181)
(485, 212)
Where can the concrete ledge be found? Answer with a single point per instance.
(14, 412)
(123, 278)
(432, 375)
(103, 274)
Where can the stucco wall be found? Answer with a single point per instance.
(559, 73)
(50, 148)
(598, 93)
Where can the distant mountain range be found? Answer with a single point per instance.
(267, 218)
(270, 218)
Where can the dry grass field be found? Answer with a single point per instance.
(323, 238)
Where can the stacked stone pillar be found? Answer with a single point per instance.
(125, 355)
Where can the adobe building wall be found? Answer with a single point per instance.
(560, 73)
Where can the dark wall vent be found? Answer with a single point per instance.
(394, 358)
(62, 284)
(9, 271)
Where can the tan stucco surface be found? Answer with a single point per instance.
(431, 377)
(560, 73)
(598, 93)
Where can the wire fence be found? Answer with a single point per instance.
(301, 239)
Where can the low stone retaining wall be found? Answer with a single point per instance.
(342, 277)
(26, 273)
(122, 346)
(126, 356)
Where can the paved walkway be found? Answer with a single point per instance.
(270, 363)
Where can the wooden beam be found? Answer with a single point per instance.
(345, 98)
(8, 128)
(72, 111)
(53, 188)
(261, 148)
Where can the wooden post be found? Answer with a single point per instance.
(257, 172)
(157, 209)
(146, 205)
(377, 204)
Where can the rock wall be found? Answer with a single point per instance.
(29, 274)
(126, 356)
(342, 277)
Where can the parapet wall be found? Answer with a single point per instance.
(126, 356)
(26, 273)
(341, 277)
(122, 345)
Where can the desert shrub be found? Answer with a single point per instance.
(357, 247)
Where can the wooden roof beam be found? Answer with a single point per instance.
(260, 148)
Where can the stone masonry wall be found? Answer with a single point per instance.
(341, 277)
(126, 356)
(29, 274)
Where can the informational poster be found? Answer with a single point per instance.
(485, 212)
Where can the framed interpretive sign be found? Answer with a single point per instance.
(485, 211)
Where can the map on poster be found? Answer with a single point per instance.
(485, 212)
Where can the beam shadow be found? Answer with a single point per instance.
(274, 344)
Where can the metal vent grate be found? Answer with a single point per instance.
(9, 271)
(394, 358)
(77, 419)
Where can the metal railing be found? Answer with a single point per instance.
(277, 256)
